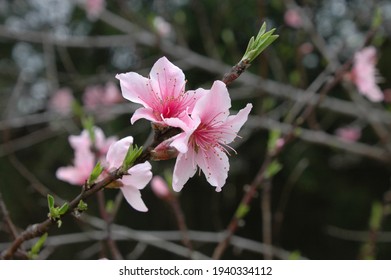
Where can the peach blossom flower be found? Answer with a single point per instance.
(61, 101)
(364, 74)
(292, 18)
(137, 178)
(94, 8)
(349, 134)
(97, 95)
(85, 158)
(162, 94)
(204, 143)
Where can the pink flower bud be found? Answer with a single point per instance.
(349, 134)
(292, 18)
(160, 187)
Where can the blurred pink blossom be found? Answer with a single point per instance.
(85, 156)
(61, 101)
(364, 74)
(79, 173)
(280, 143)
(160, 188)
(349, 134)
(97, 95)
(292, 18)
(138, 176)
(162, 94)
(162, 27)
(205, 139)
(94, 8)
(84, 142)
(306, 48)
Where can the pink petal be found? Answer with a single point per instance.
(167, 79)
(117, 152)
(188, 125)
(180, 142)
(139, 175)
(374, 93)
(135, 88)
(213, 105)
(235, 123)
(133, 197)
(214, 164)
(80, 142)
(71, 175)
(185, 168)
(112, 94)
(145, 113)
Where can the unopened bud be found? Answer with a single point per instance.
(163, 153)
(160, 188)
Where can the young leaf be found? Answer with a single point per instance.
(272, 142)
(63, 209)
(242, 211)
(82, 206)
(38, 245)
(133, 153)
(98, 169)
(50, 201)
(33, 253)
(259, 44)
(376, 216)
(88, 124)
(273, 169)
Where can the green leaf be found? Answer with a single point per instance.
(88, 124)
(273, 168)
(295, 255)
(77, 109)
(98, 169)
(33, 253)
(377, 18)
(272, 142)
(376, 216)
(38, 245)
(242, 211)
(257, 45)
(63, 209)
(82, 206)
(50, 201)
(109, 206)
(133, 153)
(167, 174)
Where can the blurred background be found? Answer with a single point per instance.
(330, 200)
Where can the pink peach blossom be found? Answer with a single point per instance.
(84, 142)
(364, 74)
(162, 94)
(349, 134)
(79, 173)
(87, 154)
(292, 18)
(61, 101)
(94, 8)
(205, 142)
(137, 178)
(97, 95)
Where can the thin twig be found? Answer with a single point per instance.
(181, 223)
(7, 218)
